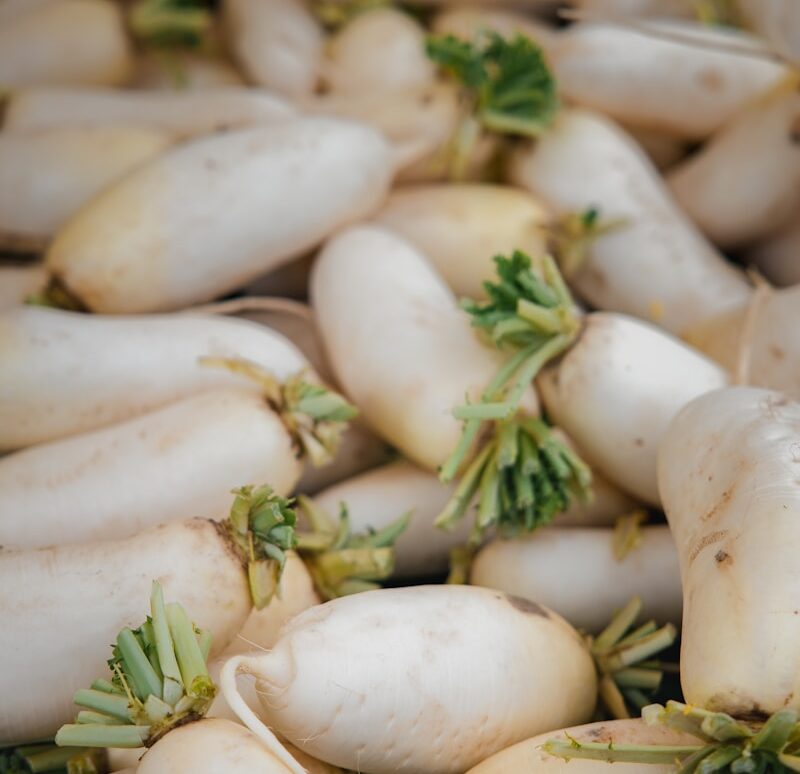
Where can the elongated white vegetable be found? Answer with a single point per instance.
(181, 70)
(460, 228)
(655, 265)
(17, 283)
(277, 44)
(727, 477)
(761, 146)
(53, 387)
(575, 572)
(47, 175)
(350, 675)
(391, 42)
(616, 391)
(778, 256)
(181, 115)
(688, 89)
(69, 42)
(282, 188)
(529, 755)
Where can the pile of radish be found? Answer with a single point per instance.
(399, 387)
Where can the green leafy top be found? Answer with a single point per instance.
(170, 24)
(508, 82)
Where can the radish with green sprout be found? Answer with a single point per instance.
(70, 42)
(180, 115)
(654, 264)
(284, 188)
(682, 78)
(18, 283)
(393, 44)
(760, 146)
(174, 463)
(460, 228)
(584, 574)
(776, 256)
(52, 388)
(47, 175)
(340, 702)
(278, 45)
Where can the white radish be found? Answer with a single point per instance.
(460, 228)
(282, 189)
(654, 264)
(52, 387)
(181, 115)
(47, 175)
(688, 89)
(762, 146)
(387, 680)
(576, 573)
(391, 42)
(778, 256)
(617, 389)
(179, 70)
(277, 44)
(65, 42)
(18, 283)
(728, 478)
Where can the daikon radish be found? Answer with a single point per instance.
(52, 388)
(576, 573)
(655, 264)
(283, 189)
(175, 463)
(277, 44)
(390, 41)
(688, 89)
(460, 228)
(47, 175)
(778, 256)
(469, 21)
(68, 42)
(761, 146)
(179, 70)
(181, 115)
(617, 389)
(18, 283)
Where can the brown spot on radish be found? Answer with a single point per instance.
(711, 79)
(724, 499)
(526, 606)
(723, 557)
(706, 541)
(777, 352)
(638, 442)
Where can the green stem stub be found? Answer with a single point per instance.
(159, 681)
(314, 415)
(572, 235)
(170, 24)
(47, 757)
(342, 563)
(261, 526)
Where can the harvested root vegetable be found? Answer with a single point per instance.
(70, 42)
(47, 175)
(284, 188)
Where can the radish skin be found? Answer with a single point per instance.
(180, 115)
(178, 462)
(655, 265)
(358, 702)
(617, 389)
(47, 175)
(92, 591)
(460, 228)
(727, 477)
(52, 388)
(778, 256)
(17, 283)
(284, 189)
(68, 42)
(574, 572)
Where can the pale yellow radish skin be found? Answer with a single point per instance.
(686, 89)
(392, 44)
(47, 175)
(574, 571)
(406, 679)
(181, 70)
(283, 189)
(277, 44)
(65, 42)
(762, 146)
(53, 387)
(616, 390)
(655, 265)
(87, 593)
(401, 348)
(178, 462)
(778, 256)
(727, 471)
(528, 756)
(18, 283)
(182, 115)
(461, 227)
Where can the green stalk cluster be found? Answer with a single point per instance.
(42, 757)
